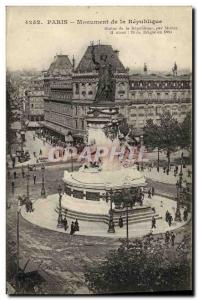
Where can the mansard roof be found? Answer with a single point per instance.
(60, 66)
(86, 65)
(159, 77)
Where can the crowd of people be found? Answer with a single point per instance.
(169, 238)
(73, 227)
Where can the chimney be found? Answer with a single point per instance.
(73, 62)
(145, 68)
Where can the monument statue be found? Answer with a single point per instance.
(106, 83)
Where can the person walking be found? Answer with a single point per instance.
(170, 219)
(13, 186)
(153, 223)
(65, 223)
(34, 178)
(149, 193)
(167, 216)
(185, 215)
(167, 237)
(172, 239)
(13, 162)
(76, 225)
(153, 190)
(15, 175)
(120, 222)
(22, 172)
(72, 230)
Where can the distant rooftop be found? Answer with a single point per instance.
(60, 66)
(86, 64)
(159, 77)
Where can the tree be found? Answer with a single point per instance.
(145, 266)
(185, 140)
(152, 137)
(169, 131)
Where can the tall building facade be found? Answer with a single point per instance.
(34, 104)
(70, 91)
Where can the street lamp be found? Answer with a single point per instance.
(28, 178)
(43, 193)
(178, 213)
(126, 202)
(111, 228)
(71, 153)
(181, 173)
(60, 221)
(17, 242)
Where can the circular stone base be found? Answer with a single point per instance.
(45, 215)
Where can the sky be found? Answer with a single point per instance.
(33, 46)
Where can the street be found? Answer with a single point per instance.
(62, 256)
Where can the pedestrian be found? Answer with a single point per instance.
(172, 239)
(8, 174)
(34, 153)
(167, 237)
(189, 173)
(13, 186)
(40, 153)
(72, 230)
(13, 162)
(15, 175)
(34, 178)
(170, 219)
(153, 222)
(65, 223)
(120, 222)
(149, 193)
(153, 190)
(167, 171)
(185, 215)
(167, 216)
(164, 169)
(76, 225)
(22, 172)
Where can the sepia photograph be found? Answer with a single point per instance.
(99, 150)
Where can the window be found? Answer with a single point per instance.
(174, 96)
(83, 93)
(32, 105)
(90, 93)
(82, 122)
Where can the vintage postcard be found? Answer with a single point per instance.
(99, 150)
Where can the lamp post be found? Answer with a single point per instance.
(60, 221)
(181, 173)
(17, 243)
(71, 153)
(43, 192)
(141, 147)
(126, 201)
(178, 213)
(28, 179)
(111, 228)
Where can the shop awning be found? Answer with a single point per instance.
(57, 128)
